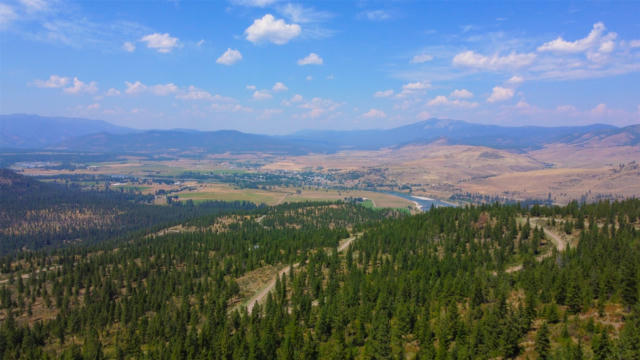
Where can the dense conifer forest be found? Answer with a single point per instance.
(476, 282)
(37, 215)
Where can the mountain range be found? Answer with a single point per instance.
(74, 134)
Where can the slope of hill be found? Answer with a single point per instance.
(184, 141)
(33, 131)
(36, 215)
(490, 282)
(454, 132)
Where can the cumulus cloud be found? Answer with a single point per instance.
(500, 93)
(7, 15)
(162, 43)
(250, 87)
(318, 107)
(413, 88)
(421, 58)
(311, 59)
(194, 93)
(279, 87)
(383, 93)
(128, 46)
(230, 57)
(54, 81)
(442, 100)
(374, 113)
(163, 89)
(79, 87)
(495, 62)
(461, 94)
(112, 92)
(423, 115)
(134, 88)
(515, 80)
(595, 38)
(296, 98)
(261, 95)
(270, 29)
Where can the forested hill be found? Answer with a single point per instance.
(84, 135)
(35, 214)
(481, 282)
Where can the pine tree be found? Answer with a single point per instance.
(601, 346)
(543, 345)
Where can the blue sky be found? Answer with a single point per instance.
(276, 66)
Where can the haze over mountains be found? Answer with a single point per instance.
(74, 134)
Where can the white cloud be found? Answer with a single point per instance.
(374, 113)
(500, 94)
(35, 5)
(418, 85)
(634, 43)
(318, 107)
(294, 99)
(442, 100)
(279, 87)
(309, 78)
(421, 58)
(567, 109)
(250, 87)
(194, 93)
(599, 110)
(112, 92)
(230, 108)
(438, 100)
(383, 93)
(262, 95)
(162, 43)
(94, 106)
(54, 81)
(253, 3)
(515, 80)
(268, 113)
(461, 94)
(230, 57)
(79, 87)
(412, 88)
(300, 14)
(200, 43)
(311, 59)
(134, 88)
(7, 15)
(163, 89)
(376, 15)
(594, 39)
(474, 60)
(424, 115)
(272, 30)
(128, 46)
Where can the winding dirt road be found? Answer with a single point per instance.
(261, 295)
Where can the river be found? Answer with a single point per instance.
(423, 203)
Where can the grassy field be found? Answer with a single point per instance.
(280, 195)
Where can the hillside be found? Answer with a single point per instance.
(35, 215)
(34, 132)
(185, 142)
(476, 283)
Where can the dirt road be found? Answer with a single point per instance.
(262, 294)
